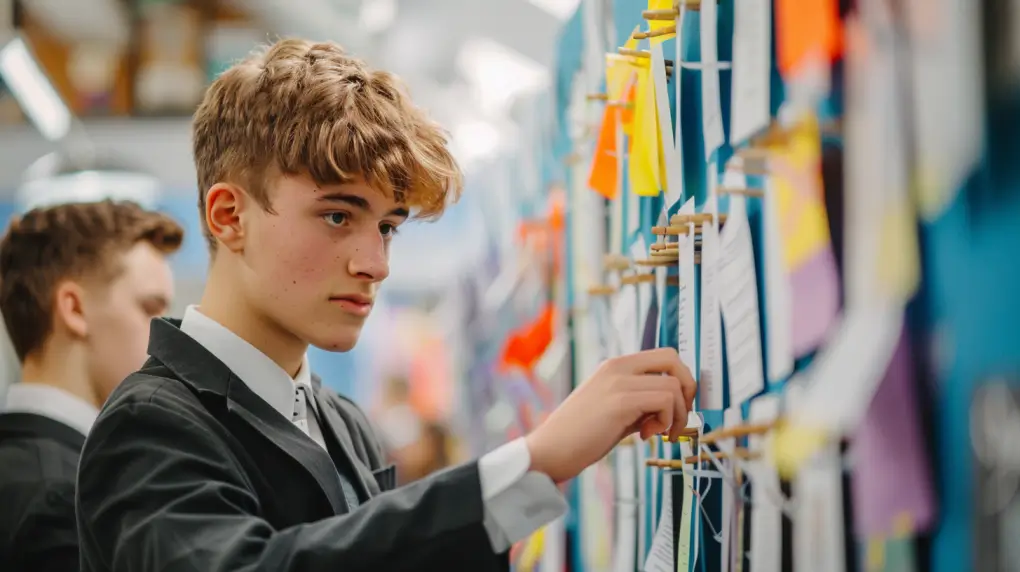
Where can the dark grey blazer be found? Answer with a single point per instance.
(187, 469)
(38, 460)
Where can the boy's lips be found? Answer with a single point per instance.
(357, 304)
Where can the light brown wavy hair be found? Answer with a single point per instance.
(304, 108)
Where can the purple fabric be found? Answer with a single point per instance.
(892, 475)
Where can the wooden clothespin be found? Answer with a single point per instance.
(601, 290)
(670, 230)
(615, 262)
(572, 158)
(742, 430)
(644, 55)
(753, 193)
(642, 278)
(597, 97)
(739, 453)
(696, 218)
(671, 14)
(663, 31)
(686, 432)
(656, 261)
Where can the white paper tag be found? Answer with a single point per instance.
(626, 509)
(684, 548)
(645, 290)
(818, 536)
(948, 119)
(739, 302)
(671, 142)
(641, 471)
(752, 53)
(766, 517)
(688, 292)
(625, 322)
(710, 367)
(778, 301)
(660, 556)
(711, 107)
(730, 502)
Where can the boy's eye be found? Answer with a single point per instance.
(336, 219)
(387, 229)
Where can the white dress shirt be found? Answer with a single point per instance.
(517, 501)
(53, 403)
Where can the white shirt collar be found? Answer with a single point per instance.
(261, 374)
(52, 402)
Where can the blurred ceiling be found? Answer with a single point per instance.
(463, 60)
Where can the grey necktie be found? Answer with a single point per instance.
(301, 405)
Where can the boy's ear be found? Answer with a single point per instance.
(69, 308)
(224, 207)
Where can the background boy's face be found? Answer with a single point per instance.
(118, 315)
(319, 257)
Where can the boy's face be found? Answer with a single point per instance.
(317, 260)
(118, 315)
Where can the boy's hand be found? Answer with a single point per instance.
(648, 392)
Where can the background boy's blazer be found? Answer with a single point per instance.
(38, 460)
(187, 469)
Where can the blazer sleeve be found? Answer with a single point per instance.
(157, 490)
(46, 537)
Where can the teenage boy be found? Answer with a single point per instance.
(79, 285)
(224, 452)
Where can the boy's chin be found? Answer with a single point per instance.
(341, 339)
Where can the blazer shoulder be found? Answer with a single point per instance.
(151, 387)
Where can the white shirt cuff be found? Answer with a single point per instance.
(517, 501)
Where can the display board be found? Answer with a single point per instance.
(811, 202)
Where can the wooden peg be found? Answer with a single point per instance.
(620, 104)
(737, 431)
(660, 15)
(572, 159)
(739, 453)
(638, 279)
(643, 54)
(670, 230)
(598, 97)
(694, 5)
(672, 281)
(686, 432)
(671, 252)
(662, 246)
(753, 193)
(616, 262)
(658, 261)
(664, 31)
(696, 218)
(601, 290)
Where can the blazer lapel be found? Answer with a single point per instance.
(207, 375)
(333, 424)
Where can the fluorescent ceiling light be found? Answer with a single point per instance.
(498, 74)
(34, 93)
(89, 186)
(475, 140)
(562, 9)
(377, 15)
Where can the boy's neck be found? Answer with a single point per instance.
(62, 366)
(222, 302)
